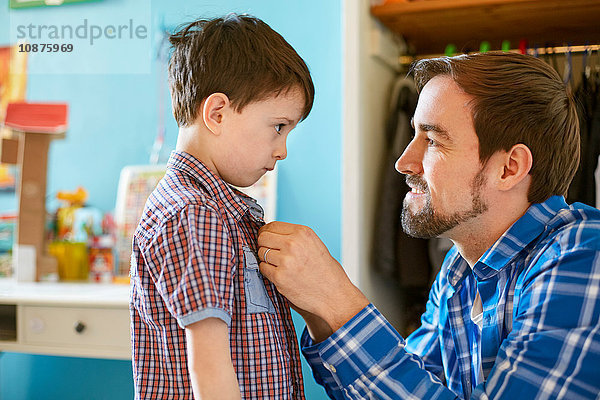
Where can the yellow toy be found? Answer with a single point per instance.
(65, 216)
(77, 197)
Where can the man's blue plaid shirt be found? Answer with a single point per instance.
(540, 335)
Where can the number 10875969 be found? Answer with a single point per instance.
(45, 48)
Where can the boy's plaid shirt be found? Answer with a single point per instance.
(194, 256)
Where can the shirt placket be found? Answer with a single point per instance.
(493, 310)
(458, 313)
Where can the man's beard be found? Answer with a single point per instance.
(426, 223)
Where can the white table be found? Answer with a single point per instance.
(66, 319)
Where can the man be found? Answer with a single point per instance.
(514, 311)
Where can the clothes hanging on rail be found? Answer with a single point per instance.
(587, 96)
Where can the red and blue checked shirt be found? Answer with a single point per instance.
(194, 257)
(540, 334)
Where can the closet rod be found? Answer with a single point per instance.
(406, 61)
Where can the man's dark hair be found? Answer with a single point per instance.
(238, 55)
(517, 99)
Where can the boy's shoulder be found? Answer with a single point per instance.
(175, 194)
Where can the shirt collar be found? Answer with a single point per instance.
(508, 247)
(519, 236)
(234, 201)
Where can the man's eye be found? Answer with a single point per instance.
(431, 142)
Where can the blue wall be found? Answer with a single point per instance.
(113, 119)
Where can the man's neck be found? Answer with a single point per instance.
(474, 238)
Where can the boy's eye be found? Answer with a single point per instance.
(279, 127)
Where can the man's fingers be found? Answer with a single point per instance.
(271, 240)
(281, 228)
(268, 271)
(271, 257)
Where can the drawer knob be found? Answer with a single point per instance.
(79, 327)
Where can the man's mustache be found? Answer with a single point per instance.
(417, 183)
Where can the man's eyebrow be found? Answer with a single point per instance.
(437, 129)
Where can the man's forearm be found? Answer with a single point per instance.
(317, 328)
(343, 308)
(340, 308)
(350, 356)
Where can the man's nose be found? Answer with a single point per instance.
(411, 161)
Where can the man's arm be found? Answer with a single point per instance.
(553, 350)
(366, 358)
(308, 276)
(352, 356)
(209, 361)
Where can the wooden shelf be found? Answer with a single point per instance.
(429, 25)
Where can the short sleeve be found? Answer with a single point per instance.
(191, 261)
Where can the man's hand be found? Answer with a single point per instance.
(301, 267)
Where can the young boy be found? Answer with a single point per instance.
(204, 322)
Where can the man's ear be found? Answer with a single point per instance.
(213, 110)
(515, 166)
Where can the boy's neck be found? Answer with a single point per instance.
(192, 140)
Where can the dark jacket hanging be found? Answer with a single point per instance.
(587, 96)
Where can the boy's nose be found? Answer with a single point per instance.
(280, 153)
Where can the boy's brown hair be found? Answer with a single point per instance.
(517, 99)
(238, 55)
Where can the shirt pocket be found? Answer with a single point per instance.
(257, 299)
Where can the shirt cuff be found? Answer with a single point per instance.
(358, 348)
(310, 350)
(199, 315)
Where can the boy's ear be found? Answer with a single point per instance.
(515, 166)
(213, 110)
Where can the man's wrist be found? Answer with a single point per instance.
(344, 308)
(317, 328)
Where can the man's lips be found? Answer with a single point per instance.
(417, 186)
(416, 191)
